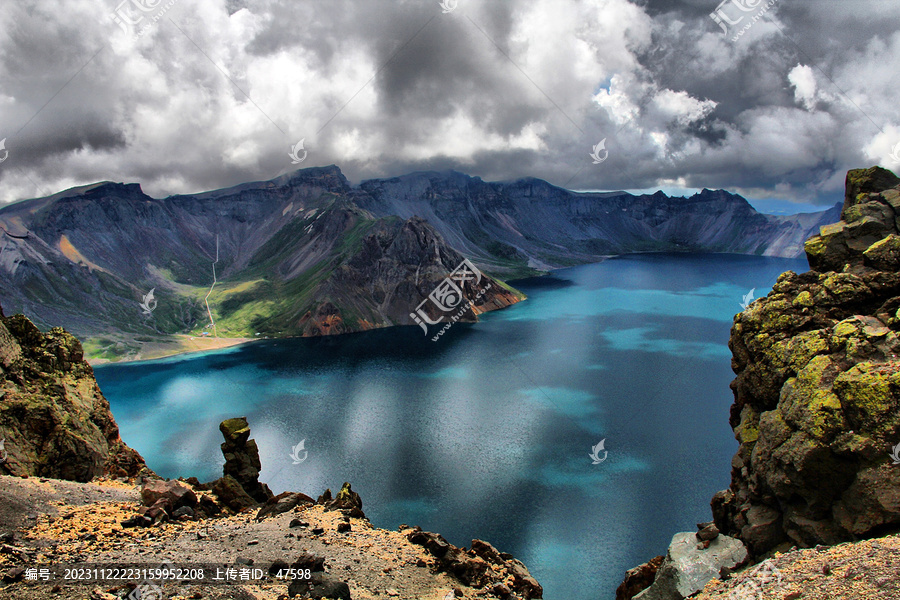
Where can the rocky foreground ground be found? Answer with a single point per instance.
(48, 521)
(853, 571)
(709, 566)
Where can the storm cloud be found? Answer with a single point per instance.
(190, 95)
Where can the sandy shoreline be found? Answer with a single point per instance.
(175, 345)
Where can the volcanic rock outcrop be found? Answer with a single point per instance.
(54, 420)
(481, 566)
(242, 462)
(817, 392)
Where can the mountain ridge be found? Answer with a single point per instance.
(529, 223)
(307, 253)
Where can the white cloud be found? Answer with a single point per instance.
(804, 81)
(367, 93)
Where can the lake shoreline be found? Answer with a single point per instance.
(185, 345)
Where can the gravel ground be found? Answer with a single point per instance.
(867, 570)
(68, 524)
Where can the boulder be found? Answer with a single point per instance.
(689, 565)
(638, 579)
(159, 511)
(523, 582)
(231, 494)
(321, 586)
(177, 494)
(185, 512)
(348, 501)
(309, 561)
(707, 532)
(207, 506)
(433, 542)
(283, 503)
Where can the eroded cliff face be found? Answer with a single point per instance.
(396, 266)
(54, 420)
(817, 392)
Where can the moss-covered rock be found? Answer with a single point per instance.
(817, 387)
(53, 417)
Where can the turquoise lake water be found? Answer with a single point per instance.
(487, 432)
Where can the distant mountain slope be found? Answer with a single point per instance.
(309, 254)
(530, 222)
(296, 257)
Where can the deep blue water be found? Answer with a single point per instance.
(486, 433)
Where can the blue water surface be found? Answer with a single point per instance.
(487, 432)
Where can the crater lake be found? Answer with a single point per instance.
(487, 433)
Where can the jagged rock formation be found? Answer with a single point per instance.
(54, 419)
(482, 566)
(242, 462)
(817, 392)
(102, 524)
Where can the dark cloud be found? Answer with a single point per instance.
(216, 91)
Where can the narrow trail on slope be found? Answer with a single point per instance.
(208, 311)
